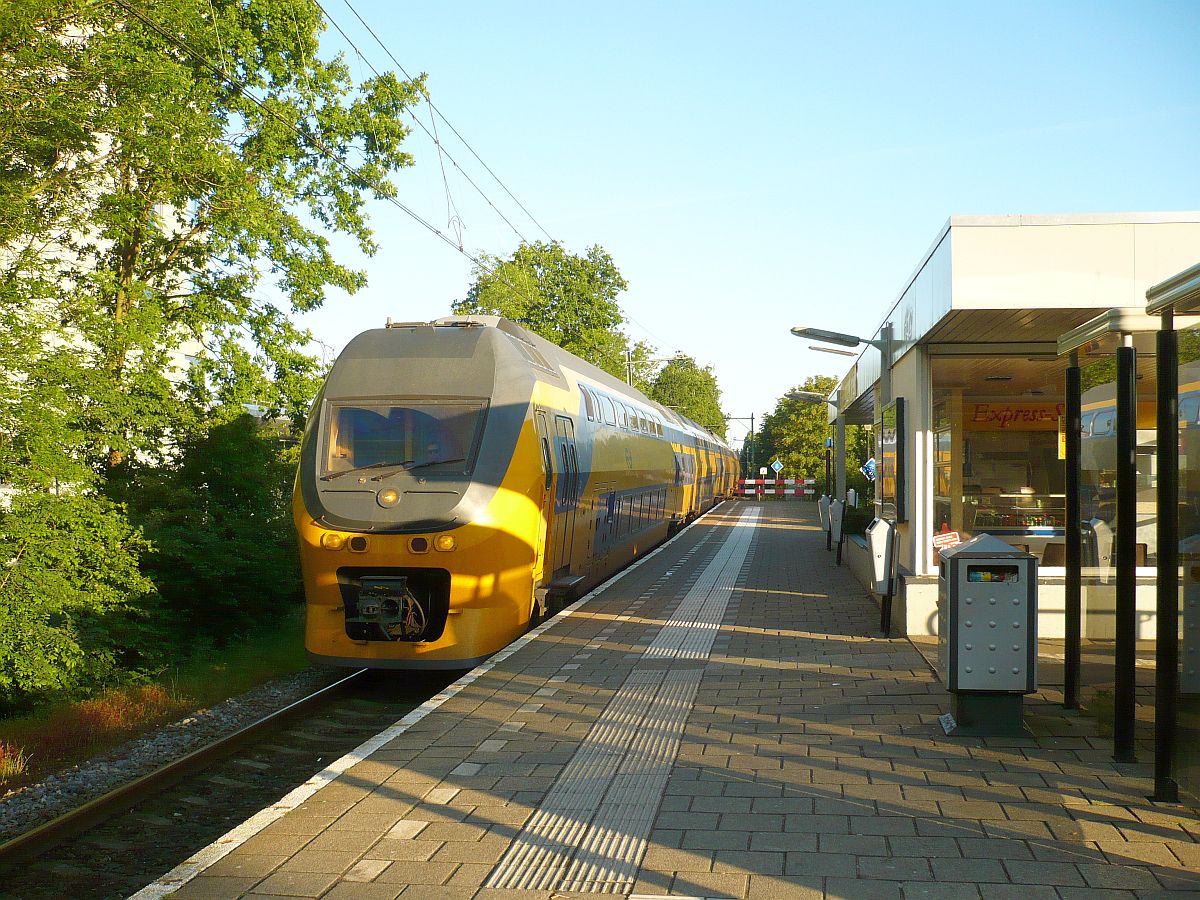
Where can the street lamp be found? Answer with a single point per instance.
(832, 350)
(835, 337)
(810, 397)
(883, 344)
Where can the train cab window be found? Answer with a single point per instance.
(589, 403)
(1189, 411)
(610, 412)
(1104, 422)
(441, 436)
(1085, 423)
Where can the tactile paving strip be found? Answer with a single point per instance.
(590, 831)
(690, 632)
(609, 851)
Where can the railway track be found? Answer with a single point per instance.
(114, 845)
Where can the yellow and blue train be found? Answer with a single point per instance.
(461, 478)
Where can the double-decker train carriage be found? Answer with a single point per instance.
(461, 477)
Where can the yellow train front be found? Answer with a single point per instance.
(459, 477)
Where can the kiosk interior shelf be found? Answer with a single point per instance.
(1014, 512)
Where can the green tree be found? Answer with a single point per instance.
(795, 433)
(691, 391)
(569, 300)
(162, 162)
(207, 143)
(859, 448)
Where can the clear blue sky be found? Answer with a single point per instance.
(754, 166)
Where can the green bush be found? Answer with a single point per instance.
(219, 518)
(70, 587)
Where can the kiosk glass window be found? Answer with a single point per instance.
(996, 452)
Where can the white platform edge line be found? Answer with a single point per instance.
(235, 837)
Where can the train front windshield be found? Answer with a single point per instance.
(438, 436)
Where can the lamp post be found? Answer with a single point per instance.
(749, 437)
(813, 397)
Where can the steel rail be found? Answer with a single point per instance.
(50, 834)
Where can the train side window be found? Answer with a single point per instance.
(547, 456)
(547, 462)
(590, 404)
(622, 416)
(565, 477)
(575, 475)
(610, 412)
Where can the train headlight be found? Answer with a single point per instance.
(387, 497)
(331, 540)
(418, 545)
(445, 542)
(358, 544)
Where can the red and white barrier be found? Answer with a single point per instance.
(787, 488)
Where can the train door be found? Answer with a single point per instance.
(543, 565)
(566, 498)
(604, 509)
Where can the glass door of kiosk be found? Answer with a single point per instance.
(1188, 719)
(1099, 525)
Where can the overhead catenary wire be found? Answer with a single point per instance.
(449, 125)
(432, 135)
(308, 139)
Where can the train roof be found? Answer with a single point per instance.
(554, 358)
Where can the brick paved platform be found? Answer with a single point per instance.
(723, 721)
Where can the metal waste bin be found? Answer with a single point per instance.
(881, 542)
(987, 635)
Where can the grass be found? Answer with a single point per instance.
(66, 733)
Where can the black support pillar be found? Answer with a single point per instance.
(1125, 675)
(1166, 672)
(1071, 537)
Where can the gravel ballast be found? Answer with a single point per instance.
(30, 806)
